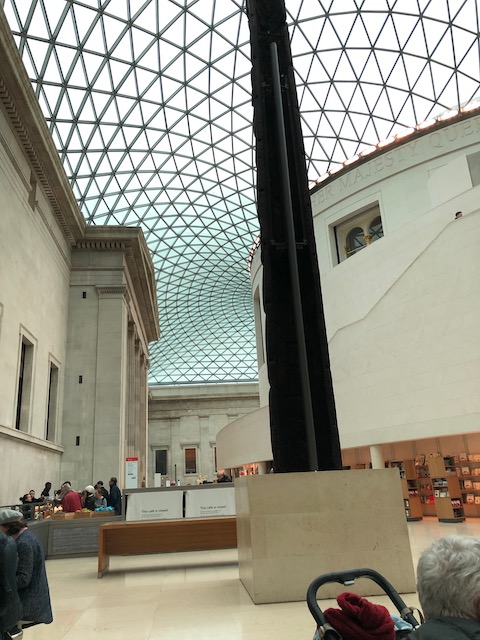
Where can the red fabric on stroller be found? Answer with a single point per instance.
(359, 619)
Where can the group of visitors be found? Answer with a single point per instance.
(30, 496)
(92, 497)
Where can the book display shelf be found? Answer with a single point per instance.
(424, 484)
(411, 496)
(468, 471)
(446, 489)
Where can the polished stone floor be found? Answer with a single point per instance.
(195, 596)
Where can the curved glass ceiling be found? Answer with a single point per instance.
(148, 102)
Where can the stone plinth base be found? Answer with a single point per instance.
(293, 527)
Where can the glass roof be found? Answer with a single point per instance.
(149, 105)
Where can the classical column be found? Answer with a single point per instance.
(376, 456)
(142, 417)
(111, 383)
(130, 431)
(261, 468)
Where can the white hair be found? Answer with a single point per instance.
(448, 578)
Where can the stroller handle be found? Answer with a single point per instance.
(348, 578)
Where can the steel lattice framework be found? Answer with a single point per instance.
(149, 105)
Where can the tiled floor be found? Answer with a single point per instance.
(195, 596)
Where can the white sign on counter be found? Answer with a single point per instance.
(210, 502)
(155, 505)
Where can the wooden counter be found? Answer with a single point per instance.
(164, 536)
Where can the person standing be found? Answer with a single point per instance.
(10, 606)
(115, 497)
(32, 584)
(100, 501)
(102, 489)
(71, 500)
(89, 498)
(45, 495)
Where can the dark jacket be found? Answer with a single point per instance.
(10, 607)
(115, 499)
(447, 629)
(32, 582)
(90, 502)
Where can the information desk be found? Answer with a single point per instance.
(164, 536)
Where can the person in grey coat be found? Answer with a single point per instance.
(32, 581)
(10, 607)
(448, 585)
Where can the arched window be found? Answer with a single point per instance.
(357, 230)
(375, 230)
(355, 241)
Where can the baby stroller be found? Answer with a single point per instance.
(326, 631)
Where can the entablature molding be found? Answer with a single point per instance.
(26, 120)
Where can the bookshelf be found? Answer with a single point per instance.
(411, 496)
(468, 470)
(446, 489)
(425, 489)
(411, 493)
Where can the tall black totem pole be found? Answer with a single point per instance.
(303, 420)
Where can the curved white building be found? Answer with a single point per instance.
(400, 281)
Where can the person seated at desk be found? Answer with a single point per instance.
(448, 585)
(34, 499)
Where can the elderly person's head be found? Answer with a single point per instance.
(448, 578)
(11, 521)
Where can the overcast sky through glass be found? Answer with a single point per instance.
(149, 105)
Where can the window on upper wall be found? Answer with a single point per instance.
(24, 384)
(358, 231)
(190, 460)
(52, 403)
(355, 241)
(257, 308)
(376, 229)
(161, 461)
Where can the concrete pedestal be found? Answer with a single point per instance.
(294, 527)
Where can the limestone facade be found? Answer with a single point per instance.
(190, 417)
(77, 311)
